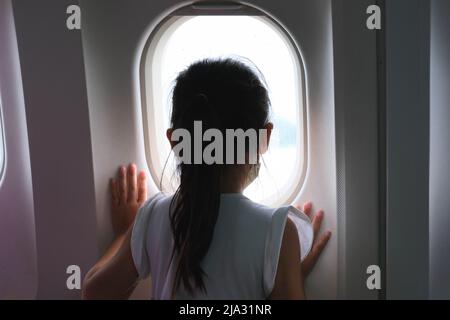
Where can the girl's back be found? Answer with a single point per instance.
(243, 255)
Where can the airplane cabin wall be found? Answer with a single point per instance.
(18, 265)
(440, 150)
(407, 154)
(57, 117)
(358, 147)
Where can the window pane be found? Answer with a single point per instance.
(255, 38)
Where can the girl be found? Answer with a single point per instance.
(208, 241)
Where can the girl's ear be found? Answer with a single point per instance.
(169, 137)
(264, 145)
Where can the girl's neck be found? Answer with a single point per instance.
(233, 181)
(231, 187)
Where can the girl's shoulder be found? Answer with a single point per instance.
(275, 220)
(156, 200)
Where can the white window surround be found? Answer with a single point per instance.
(284, 166)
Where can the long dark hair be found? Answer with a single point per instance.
(223, 94)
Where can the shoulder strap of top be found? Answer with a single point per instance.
(274, 239)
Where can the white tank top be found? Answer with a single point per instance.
(242, 259)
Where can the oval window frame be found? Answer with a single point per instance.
(170, 20)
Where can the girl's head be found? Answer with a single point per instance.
(222, 94)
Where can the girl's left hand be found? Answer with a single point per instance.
(128, 192)
(319, 243)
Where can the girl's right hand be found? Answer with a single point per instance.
(128, 192)
(319, 243)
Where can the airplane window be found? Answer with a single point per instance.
(2, 143)
(181, 40)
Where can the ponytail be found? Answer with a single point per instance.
(195, 205)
